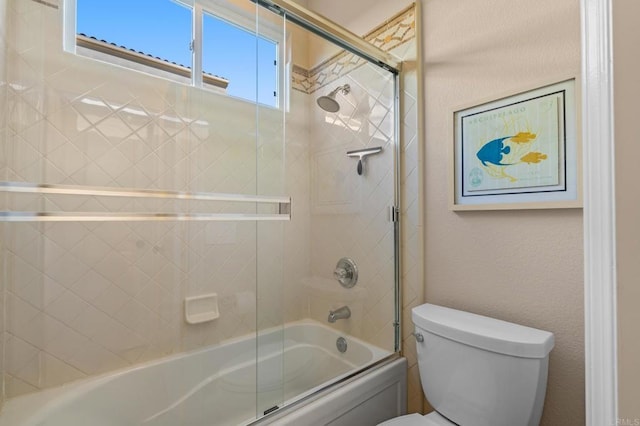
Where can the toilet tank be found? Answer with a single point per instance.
(480, 371)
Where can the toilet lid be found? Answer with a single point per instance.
(431, 419)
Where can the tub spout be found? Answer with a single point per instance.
(340, 313)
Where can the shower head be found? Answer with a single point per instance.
(329, 103)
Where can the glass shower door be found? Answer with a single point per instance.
(148, 221)
(270, 172)
(341, 210)
(142, 225)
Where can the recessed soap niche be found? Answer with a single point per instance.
(202, 308)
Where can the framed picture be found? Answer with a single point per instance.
(518, 152)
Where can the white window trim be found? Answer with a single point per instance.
(196, 37)
(273, 31)
(220, 9)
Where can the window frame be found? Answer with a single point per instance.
(235, 15)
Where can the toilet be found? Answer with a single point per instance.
(478, 371)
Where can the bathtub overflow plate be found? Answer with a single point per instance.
(341, 344)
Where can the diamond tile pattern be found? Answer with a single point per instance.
(350, 213)
(86, 298)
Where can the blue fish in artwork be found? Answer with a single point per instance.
(492, 152)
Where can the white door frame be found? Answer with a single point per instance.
(601, 392)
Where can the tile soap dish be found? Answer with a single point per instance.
(199, 309)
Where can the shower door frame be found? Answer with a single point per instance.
(349, 41)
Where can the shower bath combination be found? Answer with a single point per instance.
(183, 266)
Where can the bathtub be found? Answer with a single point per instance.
(210, 386)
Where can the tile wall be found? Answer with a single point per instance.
(87, 298)
(349, 213)
(3, 130)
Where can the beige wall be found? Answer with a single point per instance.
(520, 266)
(626, 38)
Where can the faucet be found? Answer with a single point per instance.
(340, 313)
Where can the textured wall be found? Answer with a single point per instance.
(626, 38)
(520, 266)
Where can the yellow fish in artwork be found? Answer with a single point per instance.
(523, 137)
(533, 157)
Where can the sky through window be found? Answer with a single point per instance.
(163, 29)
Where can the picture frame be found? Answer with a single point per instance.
(519, 151)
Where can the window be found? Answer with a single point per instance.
(172, 38)
(251, 60)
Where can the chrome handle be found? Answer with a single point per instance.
(346, 272)
(419, 337)
(341, 273)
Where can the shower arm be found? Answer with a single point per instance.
(345, 89)
(362, 154)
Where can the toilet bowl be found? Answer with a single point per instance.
(478, 371)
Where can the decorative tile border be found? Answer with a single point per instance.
(387, 36)
(395, 32)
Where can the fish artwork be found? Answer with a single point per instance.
(492, 154)
(493, 151)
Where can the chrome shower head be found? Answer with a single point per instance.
(329, 103)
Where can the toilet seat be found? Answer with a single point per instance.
(431, 419)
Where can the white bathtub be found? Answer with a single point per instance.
(211, 386)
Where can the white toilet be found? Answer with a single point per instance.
(478, 371)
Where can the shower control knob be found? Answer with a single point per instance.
(341, 273)
(346, 272)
